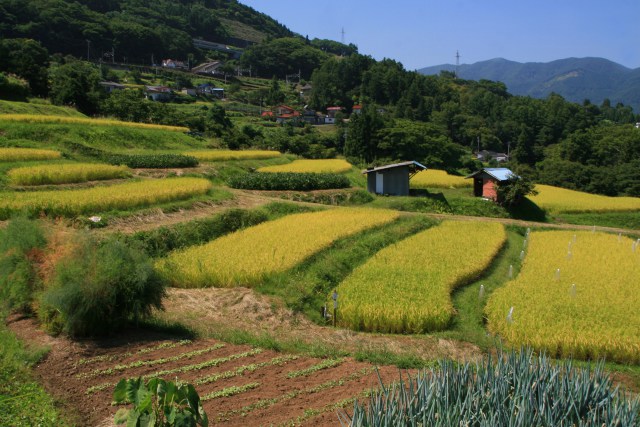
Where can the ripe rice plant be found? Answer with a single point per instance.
(558, 200)
(573, 297)
(244, 257)
(65, 173)
(35, 118)
(517, 389)
(27, 154)
(406, 287)
(221, 155)
(100, 199)
(433, 178)
(311, 166)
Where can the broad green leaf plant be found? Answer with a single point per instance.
(158, 403)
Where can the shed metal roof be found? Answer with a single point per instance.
(413, 163)
(500, 174)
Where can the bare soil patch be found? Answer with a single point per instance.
(213, 310)
(71, 368)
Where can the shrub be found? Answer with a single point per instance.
(155, 161)
(289, 181)
(99, 288)
(20, 242)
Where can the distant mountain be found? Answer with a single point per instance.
(576, 79)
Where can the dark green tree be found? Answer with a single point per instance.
(77, 84)
(26, 58)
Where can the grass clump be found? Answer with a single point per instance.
(21, 244)
(22, 400)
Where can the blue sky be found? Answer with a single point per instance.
(421, 33)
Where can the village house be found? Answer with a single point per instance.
(486, 155)
(330, 118)
(209, 89)
(111, 86)
(392, 179)
(487, 180)
(158, 93)
(170, 63)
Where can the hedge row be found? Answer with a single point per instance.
(289, 181)
(151, 160)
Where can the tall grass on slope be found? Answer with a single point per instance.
(558, 200)
(573, 297)
(100, 199)
(515, 389)
(27, 154)
(406, 287)
(244, 257)
(66, 173)
(37, 108)
(311, 166)
(36, 118)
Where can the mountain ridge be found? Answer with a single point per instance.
(576, 79)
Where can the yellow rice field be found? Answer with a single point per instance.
(558, 200)
(576, 298)
(313, 166)
(406, 287)
(221, 155)
(100, 199)
(244, 257)
(65, 173)
(434, 178)
(34, 118)
(27, 154)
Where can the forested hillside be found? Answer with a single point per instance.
(132, 29)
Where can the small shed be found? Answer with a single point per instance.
(392, 179)
(486, 181)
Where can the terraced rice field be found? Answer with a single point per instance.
(434, 178)
(406, 287)
(312, 166)
(66, 173)
(100, 199)
(27, 154)
(559, 200)
(222, 155)
(36, 118)
(244, 257)
(240, 385)
(578, 293)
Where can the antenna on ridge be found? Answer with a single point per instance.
(457, 62)
(342, 34)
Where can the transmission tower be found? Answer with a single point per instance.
(342, 33)
(457, 62)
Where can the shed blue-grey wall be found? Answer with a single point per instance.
(395, 181)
